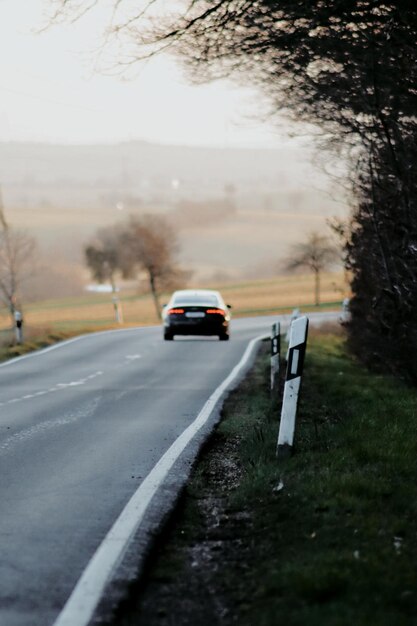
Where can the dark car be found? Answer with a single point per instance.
(196, 312)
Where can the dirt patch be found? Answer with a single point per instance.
(187, 580)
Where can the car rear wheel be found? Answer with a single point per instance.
(168, 336)
(224, 337)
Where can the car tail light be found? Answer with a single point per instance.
(175, 311)
(215, 311)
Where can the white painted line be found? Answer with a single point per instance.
(62, 344)
(83, 601)
(94, 375)
(58, 387)
(20, 437)
(43, 351)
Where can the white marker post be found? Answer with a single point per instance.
(117, 310)
(18, 318)
(345, 313)
(294, 315)
(275, 350)
(296, 353)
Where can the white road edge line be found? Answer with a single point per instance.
(83, 601)
(61, 344)
(42, 351)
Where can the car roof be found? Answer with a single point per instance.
(197, 297)
(196, 292)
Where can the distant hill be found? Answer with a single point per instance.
(99, 176)
(271, 198)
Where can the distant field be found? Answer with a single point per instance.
(247, 243)
(249, 298)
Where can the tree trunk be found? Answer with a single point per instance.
(155, 294)
(12, 309)
(316, 287)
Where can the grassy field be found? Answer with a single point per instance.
(250, 298)
(334, 544)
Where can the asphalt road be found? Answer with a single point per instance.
(81, 426)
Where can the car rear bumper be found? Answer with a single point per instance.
(193, 327)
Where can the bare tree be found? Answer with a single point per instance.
(17, 250)
(349, 67)
(103, 257)
(317, 253)
(143, 245)
(149, 245)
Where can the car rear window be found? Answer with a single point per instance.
(198, 299)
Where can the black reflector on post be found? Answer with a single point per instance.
(275, 352)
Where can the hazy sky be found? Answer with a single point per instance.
(49, 92)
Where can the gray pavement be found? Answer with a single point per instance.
(81, 426)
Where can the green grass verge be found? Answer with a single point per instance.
(337, 545)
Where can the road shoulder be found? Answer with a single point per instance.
(327, 539)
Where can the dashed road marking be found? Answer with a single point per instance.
(57, 387)
(21, 436)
